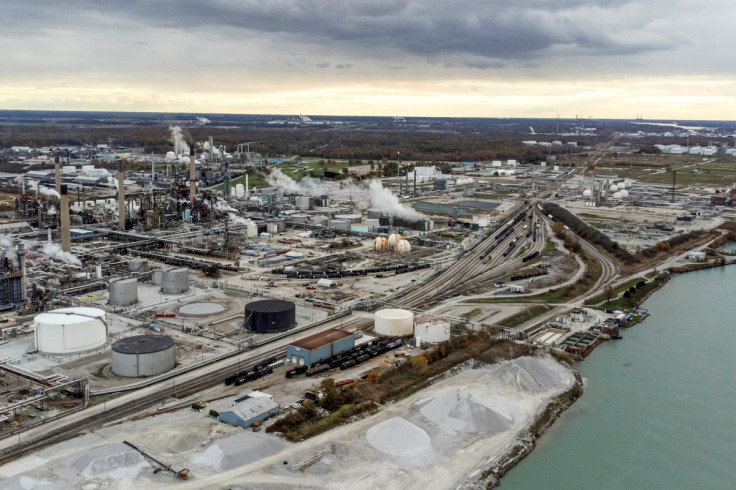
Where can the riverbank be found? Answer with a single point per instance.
(657, 403)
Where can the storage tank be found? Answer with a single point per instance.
(432, 330)
(303, 202)
(137, 265)
(70, 330)
(374, 213)
(353, 218)
(143, 355)
(393, 321)
(239, 191)
(270, 315)
(380, 244)
(175, 280)
(617, 195)
(624, 193)
(123, 291)
(613, 188)
(587, 193)
(403, 247)
(393, 239)
(157, 277)
(251, 230)
(339, 224)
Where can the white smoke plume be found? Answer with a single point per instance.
(48, 192)
(464, 181)
(52, 210)
(384, 200)
(177, 138)
(285, 184)
(238, 220)
(6, 244)
(54, 251)
(202, 120)
(221, 205)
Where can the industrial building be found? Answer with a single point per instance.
(254, 407)
(270, 315)
(143, 355)
(318, 347)
(70, 330)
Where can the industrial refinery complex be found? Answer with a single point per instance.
(227, 314)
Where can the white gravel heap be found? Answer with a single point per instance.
(111, 461)
(238, 450)
(398, 437)
(529, 375)
(459, 410)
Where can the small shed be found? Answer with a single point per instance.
(326, 283)
(254, 407)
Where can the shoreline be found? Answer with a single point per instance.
(492, 477)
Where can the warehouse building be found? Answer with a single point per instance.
(254, 407)
(318, 347)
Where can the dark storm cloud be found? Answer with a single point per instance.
(376, 28)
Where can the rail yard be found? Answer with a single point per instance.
(166, 315)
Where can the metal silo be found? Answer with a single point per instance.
(123, 291)
(175, 280)
(270, 315)
(143, 355)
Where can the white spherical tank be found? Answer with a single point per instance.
(587, 193)
(175, 280)
(624, 193)
(617, 195)
(393, 321)
(432, 330)
(403, 247)
(627, 184)
(380, 244)
(393, 239)
(70, 330)
(613, 188)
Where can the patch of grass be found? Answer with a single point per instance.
(454, 238)
(469, 314)
(523, 316)
(551, 245)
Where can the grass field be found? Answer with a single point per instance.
(657, 169)
(523, 316)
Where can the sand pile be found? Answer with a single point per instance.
(528, 375)
(111, 461)
(460, 410)
(238, 450)
(407, 444)
(186, 442)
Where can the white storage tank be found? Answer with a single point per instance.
(143, 355)
(393, 240)
(432, 330)
(157, 277)
(394, 321)
(303, 202)
(239, 191)
(251, 230)
(70, 330)
(123, 291)
(175, 280)
(403, 247)
(352, 218)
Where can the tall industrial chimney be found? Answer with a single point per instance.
(57, 174)
(21, 252)
(66, 239)
(192, 176)
(121, 197)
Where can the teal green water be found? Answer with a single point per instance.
(659, 409)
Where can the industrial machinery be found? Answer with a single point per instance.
(182, 474)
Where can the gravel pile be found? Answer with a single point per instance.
(397, 437)
(111, 461)
(528, 375)
(238, 450)
(460, 410)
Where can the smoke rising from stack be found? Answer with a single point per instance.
(66, 239)
(177, 138)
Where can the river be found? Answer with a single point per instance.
(658, 408)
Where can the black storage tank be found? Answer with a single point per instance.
(270, 315)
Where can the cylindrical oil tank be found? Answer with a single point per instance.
(239, 191)
(394, 321)
(432, 330)
(272, 228)
(270, 315)
(137, 265)
(175, 280)
(299, 218)
(374, 213)
(143, 355)
(251, 230)
(303, 202)
(353, 218)
(339, 224)
(157, 277)
(123, 291)
(70, 330)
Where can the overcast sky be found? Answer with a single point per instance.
(665, 59)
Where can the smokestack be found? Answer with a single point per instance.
(21, 252)
(49, 234)
(121, 198)
(66, 239)
(57, 174)
(192, 177)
